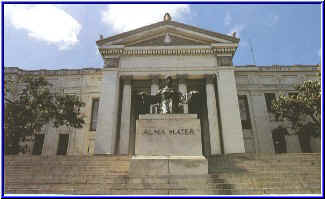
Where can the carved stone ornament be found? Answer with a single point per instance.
(112, 62)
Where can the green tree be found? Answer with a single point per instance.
(30, 105)
(302, 110)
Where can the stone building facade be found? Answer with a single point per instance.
(233, 105)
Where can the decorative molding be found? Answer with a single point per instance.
(311, 70)
(168, 69)
(111, 62)
(277, 68)
(167, 51)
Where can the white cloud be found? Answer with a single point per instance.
(130, 16)
(237, 28)
(227, 19)
(46, 23)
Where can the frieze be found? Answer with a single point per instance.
(169, 51)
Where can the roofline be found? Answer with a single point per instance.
(242, 68)
(277, 68)
(193, 28)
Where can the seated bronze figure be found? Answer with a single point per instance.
(167, 100)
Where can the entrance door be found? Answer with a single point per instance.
(280, 144)
(304, 140)
(38, 145)
(63, 144)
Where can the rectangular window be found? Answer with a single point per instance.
(269, 97)
(38, 144)
(94, 114)
(63, 144)
(244, 112)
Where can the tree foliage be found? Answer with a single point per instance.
(302, 110)
(30, 104)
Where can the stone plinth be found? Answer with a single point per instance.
(168, 144)
(168, 135)
(168, 165)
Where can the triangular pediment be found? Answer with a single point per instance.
(167, 39)
(178, 33)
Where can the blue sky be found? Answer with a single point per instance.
(64, 36)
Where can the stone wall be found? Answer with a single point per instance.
(235, 174)
(254, 82)
(251, 81)
(84, 83)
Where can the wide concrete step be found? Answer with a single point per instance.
(236, 174)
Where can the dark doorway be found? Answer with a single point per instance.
(63, 144)
(38, 145)
(279, 141)
(197, 103)
(304, 140)
(198, 106)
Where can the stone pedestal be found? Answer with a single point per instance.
(168, 165)
(168, 144)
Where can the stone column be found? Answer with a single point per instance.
(182, 87)
(232, 134)
(154, 88)
(125, 117)
(51, 140)
(261, 120)
(108, 113)
(213, 116)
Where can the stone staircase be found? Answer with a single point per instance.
(236, 174)
(288, 173)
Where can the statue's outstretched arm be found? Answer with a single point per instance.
(188, 96)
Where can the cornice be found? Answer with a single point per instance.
(161, 51)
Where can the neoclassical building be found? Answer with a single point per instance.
(233, 104)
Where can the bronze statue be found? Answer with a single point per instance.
(167, 100)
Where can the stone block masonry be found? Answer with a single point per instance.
(168, 135)
(232, 174)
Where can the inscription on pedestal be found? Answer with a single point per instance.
(177, 135)
(166, 132)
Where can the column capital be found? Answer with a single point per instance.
(210, 78)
